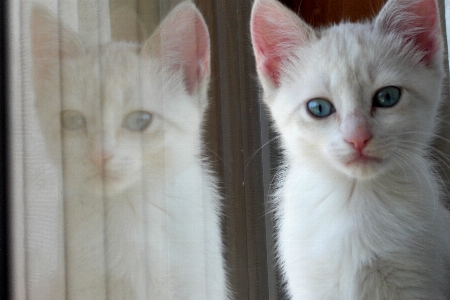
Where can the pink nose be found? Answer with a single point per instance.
(356, 130)
(359, 139)
(99, 160)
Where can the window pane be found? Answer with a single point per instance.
(142, 158)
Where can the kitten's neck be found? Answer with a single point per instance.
(410, 180)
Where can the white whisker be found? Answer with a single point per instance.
(259, 149)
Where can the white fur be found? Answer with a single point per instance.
(145, 223)
(374, 230)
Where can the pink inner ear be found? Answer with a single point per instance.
(183, 44)
(419, 22)
(428, 20)
(276, 32)
(197, 57)
(268, 50)
(51, 41)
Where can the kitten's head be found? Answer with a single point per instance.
(119, 113)
(359, 98)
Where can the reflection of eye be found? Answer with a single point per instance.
(137, 120)
(72, 119)
(320, 108)
(387, 97)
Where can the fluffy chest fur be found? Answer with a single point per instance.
(146, 232)
(336, 234)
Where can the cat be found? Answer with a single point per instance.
(358, 201)
(123, 123)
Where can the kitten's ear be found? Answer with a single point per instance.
(417, 21)
(50, 42)
(276, 33)
(181, 42)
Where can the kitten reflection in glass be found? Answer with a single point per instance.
(123, 123)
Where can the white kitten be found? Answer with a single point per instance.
(123, 122)
(358, 206)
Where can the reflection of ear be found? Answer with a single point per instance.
(51, 42)
(182, 43)
(126, 26)
(276, 33)
(417, 21)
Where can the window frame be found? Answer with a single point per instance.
(4, 154)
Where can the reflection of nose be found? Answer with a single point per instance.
(100, 159)
(101, 152)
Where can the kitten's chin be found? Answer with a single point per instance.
(112, 185)
(107, 184)
(363, 167)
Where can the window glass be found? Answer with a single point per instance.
(138, 142)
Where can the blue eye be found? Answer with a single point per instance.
(137, 120)
(320, 108)
(387, 97)
(72, 119)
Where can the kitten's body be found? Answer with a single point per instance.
(344, 239)
(141, 209)
(358, 203)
